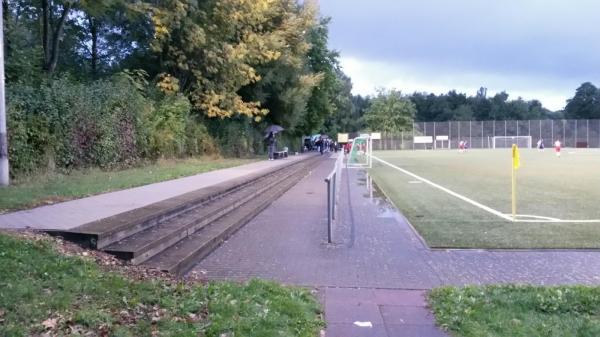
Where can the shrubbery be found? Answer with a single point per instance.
(63, 124)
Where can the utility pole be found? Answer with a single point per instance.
(4, 178)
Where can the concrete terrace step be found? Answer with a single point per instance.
(104, 232)
(145, 244)
(186, 253)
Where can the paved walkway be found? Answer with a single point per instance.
(70, 214)
(375, 248)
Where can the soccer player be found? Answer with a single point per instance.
(461, 146)
(557, 145)
(540, 145)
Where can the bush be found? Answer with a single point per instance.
(107, 123)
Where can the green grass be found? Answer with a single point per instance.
(43, 189)
(565, 188)
(38, 284)
(518, 311)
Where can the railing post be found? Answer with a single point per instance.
(334, 192)
(328, 210)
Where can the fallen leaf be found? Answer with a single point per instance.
(50, 323)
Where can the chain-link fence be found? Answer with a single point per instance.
(581, 133)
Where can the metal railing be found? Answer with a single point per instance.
(332, 193)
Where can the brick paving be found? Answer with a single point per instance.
(70, 214)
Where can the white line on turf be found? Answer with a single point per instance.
(459, 196)
(482, 206)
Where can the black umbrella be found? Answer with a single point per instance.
(274, 128)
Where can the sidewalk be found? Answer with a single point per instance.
(70, 214)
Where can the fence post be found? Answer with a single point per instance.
(413, 140)
(449, 134)
(434, 141)
(576, 138)
(470, 138)
(505, 128)
(552, 131)
(402, 140)
(564, 135)
(482, 122)
(587, 136)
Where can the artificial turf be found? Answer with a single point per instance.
(564, 188)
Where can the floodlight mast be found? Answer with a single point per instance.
(4, 167)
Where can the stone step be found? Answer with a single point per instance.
(143, 245)
(104, 232)
(180, 257)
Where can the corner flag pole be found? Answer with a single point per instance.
(516, 163)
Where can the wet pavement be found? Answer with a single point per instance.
(374, 250)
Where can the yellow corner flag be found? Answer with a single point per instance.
(516, 157)
(516, 163)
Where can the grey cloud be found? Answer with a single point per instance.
(552, 39)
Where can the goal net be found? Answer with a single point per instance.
(501, 142)
(360, 153)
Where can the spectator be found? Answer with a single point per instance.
(271, 145)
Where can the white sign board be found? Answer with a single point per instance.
(342, 138)
(441, 137)
(364, 135)
(375, 135)
(423, 139)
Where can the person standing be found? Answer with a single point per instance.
(271, 145)
(557, 145)
(540, 145)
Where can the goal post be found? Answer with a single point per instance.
(360, 153)
(505, 142)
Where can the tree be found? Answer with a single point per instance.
(585, 104)
(390, 112)
(52, 30)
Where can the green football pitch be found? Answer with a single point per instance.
(463, 200)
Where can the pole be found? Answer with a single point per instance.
(4, 177)
(449, 134)
(413, 140)
(470, 138)
(514, 192)
(328, 210)
(482, 134)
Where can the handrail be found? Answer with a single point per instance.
(332, 186)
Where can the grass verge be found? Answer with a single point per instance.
(44, 292)
(37, 190)
(514, 311)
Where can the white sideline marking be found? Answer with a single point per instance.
(459, 196)
(484, 207)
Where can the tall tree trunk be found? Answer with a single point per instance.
(46, 32)
(51, 52)
(94, 32)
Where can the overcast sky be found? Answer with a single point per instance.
(530, 48)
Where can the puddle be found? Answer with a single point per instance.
(385, 209)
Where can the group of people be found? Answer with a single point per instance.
(326, 145)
